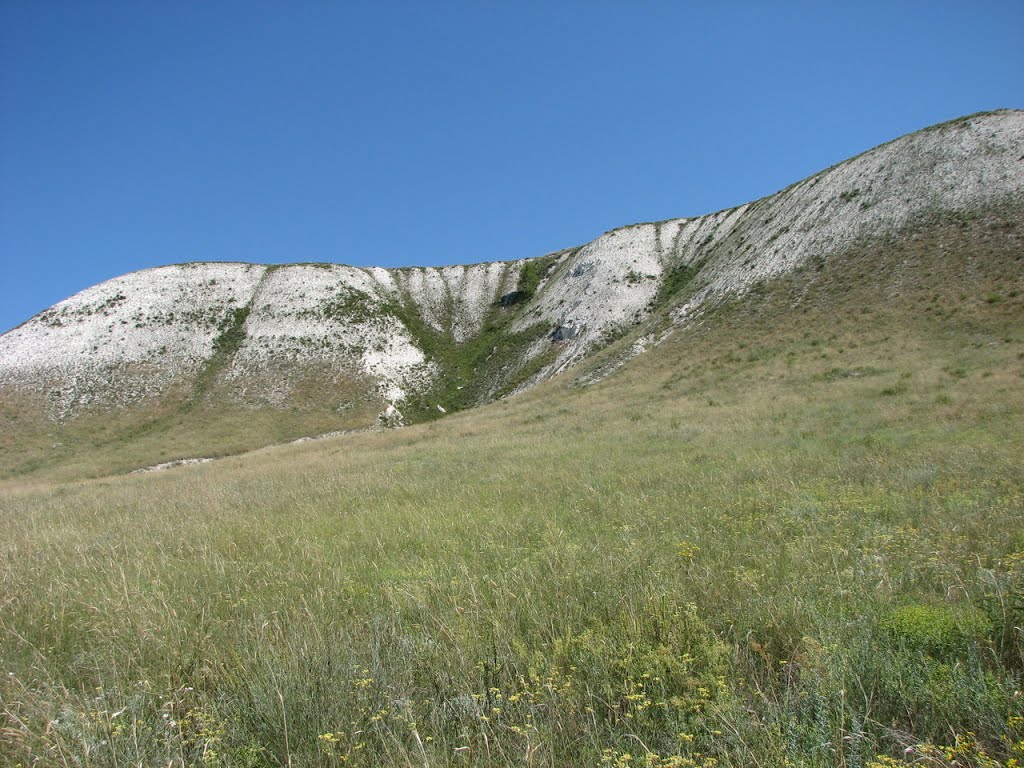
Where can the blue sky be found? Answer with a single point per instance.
(135, 134)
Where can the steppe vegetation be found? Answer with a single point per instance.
(792, 534)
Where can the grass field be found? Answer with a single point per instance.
(792, 535)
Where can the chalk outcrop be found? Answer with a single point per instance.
(254, 333)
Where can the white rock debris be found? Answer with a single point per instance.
(172, 464)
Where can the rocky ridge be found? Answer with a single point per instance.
(466, 334)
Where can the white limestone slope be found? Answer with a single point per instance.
(968, 163)
(132, 338)
(322, 314)
(957, 166)
(128, 339)
(452, 299)
(141, 335)
(343, 318)
(604, 286)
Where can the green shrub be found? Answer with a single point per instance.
(940, 631)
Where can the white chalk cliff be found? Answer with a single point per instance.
(486, 329)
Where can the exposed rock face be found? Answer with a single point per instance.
(390, 418)
(128, 339)
(254, 333)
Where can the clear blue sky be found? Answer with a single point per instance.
(135, 134)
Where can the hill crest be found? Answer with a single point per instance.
(346, 340)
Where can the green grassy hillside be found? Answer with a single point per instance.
(792, 534)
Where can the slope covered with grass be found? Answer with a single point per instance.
(158, 365)
(791, 534)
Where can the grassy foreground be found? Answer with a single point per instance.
(798, 540)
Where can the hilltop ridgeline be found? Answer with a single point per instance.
(267, 336)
